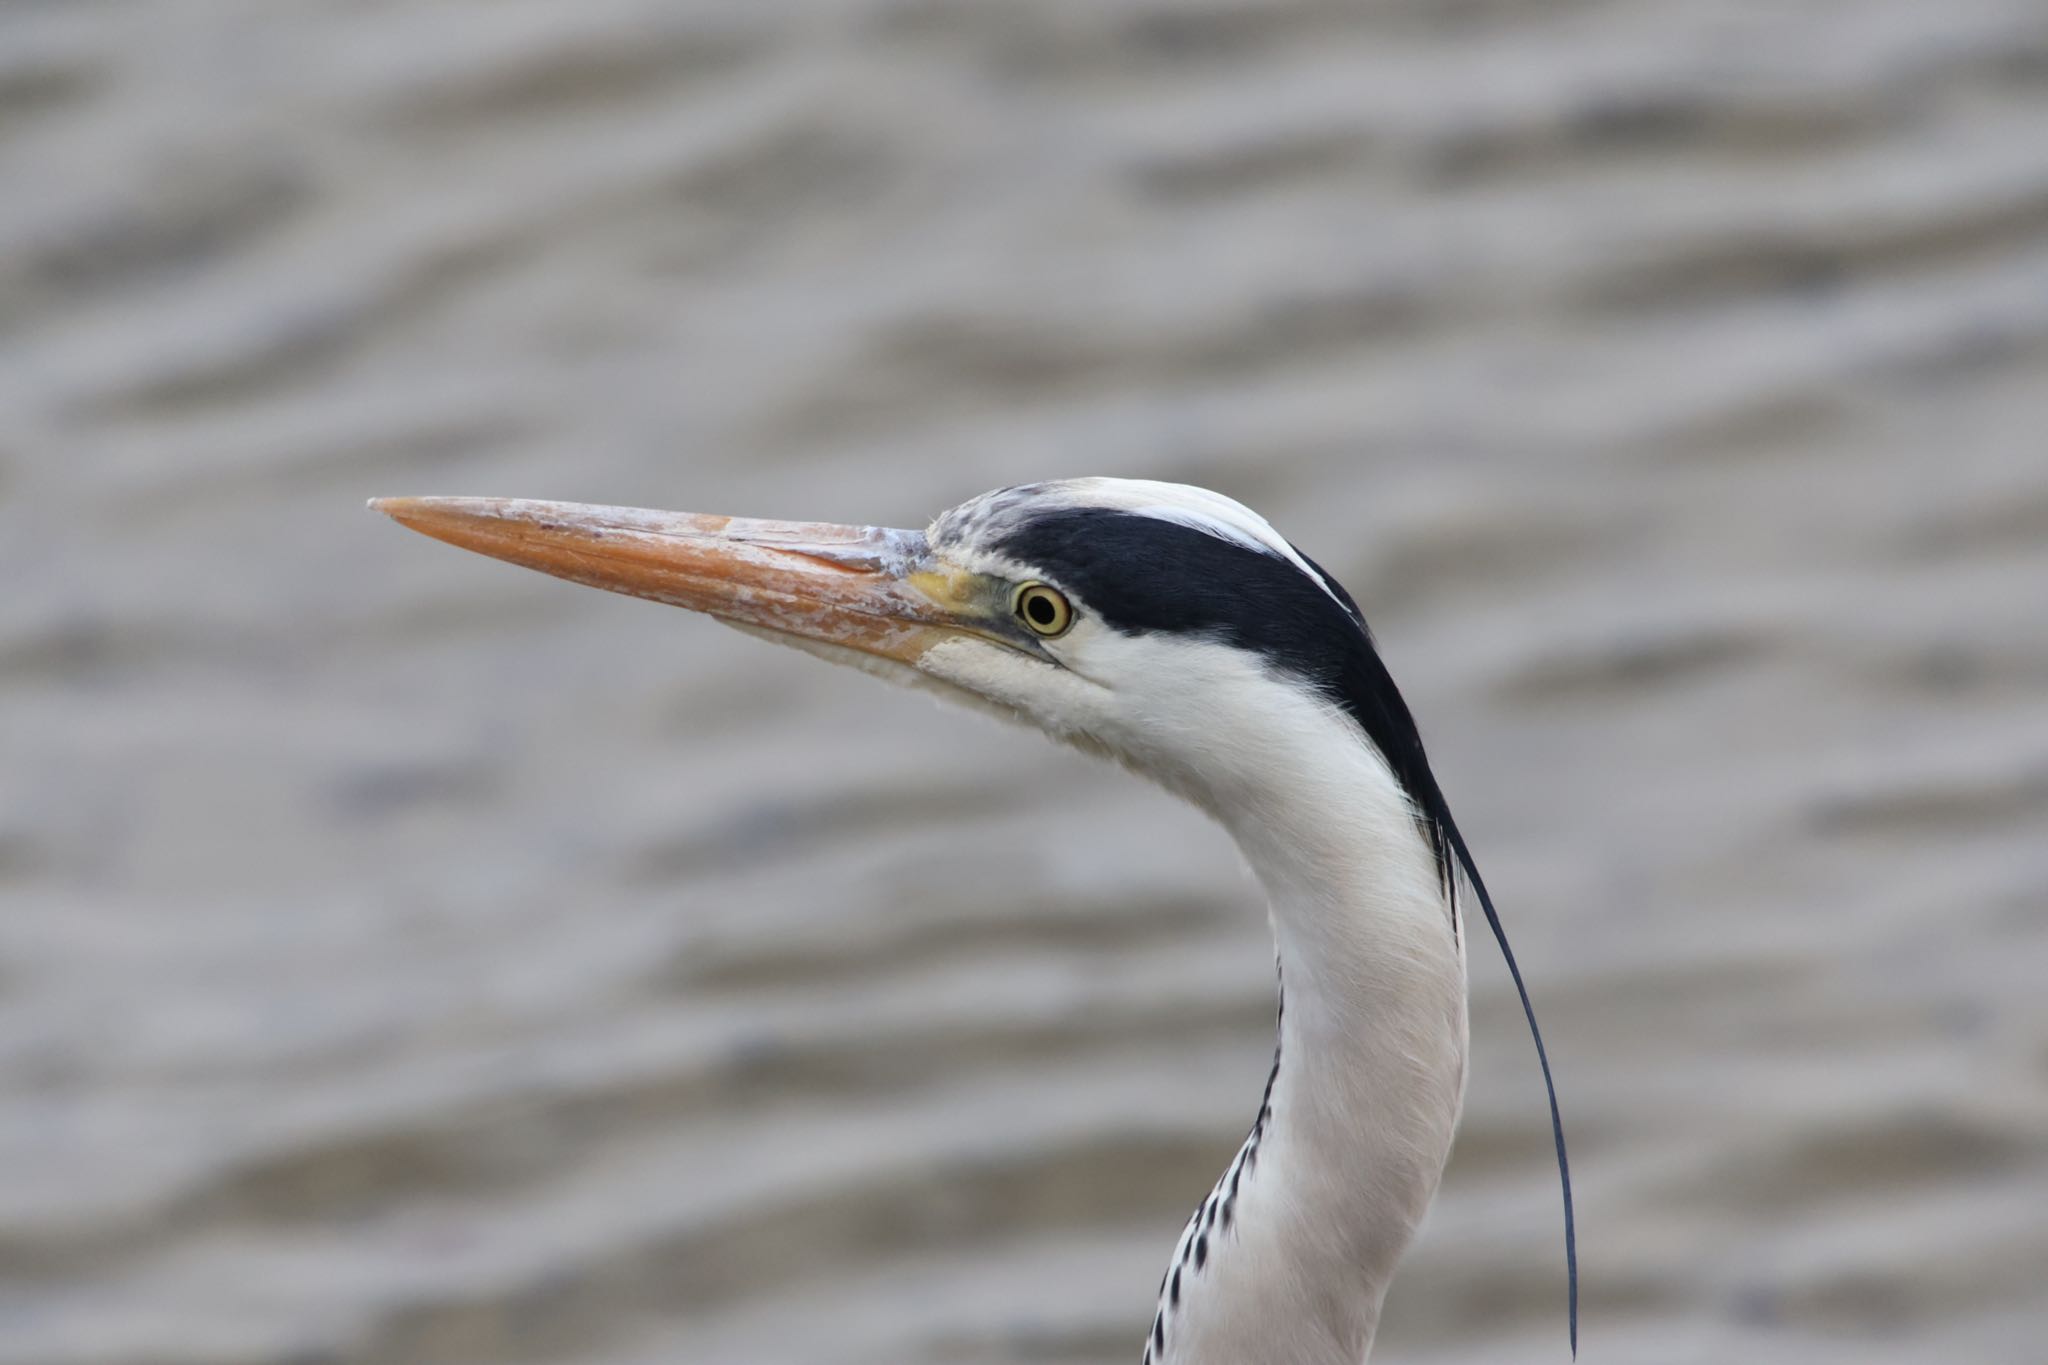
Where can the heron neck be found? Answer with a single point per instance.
(1288, 1261)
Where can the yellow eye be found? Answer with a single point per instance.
(1043, 610)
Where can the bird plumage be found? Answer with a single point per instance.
(1176, 631)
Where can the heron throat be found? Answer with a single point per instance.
(1289, 1258)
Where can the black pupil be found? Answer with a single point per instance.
(1039, 608)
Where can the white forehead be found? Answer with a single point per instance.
(992, 515)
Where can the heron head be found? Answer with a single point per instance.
(1166, 626)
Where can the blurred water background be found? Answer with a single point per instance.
(408, 959)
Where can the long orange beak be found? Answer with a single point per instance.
(866, 588)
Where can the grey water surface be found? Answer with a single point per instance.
(405, 959)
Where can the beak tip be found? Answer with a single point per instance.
(411, 511)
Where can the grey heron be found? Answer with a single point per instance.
(1174, 630)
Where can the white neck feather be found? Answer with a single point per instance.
(1288, 1260)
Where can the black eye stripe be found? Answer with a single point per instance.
(1138, 574)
